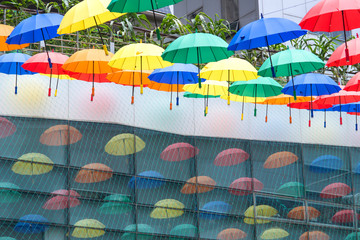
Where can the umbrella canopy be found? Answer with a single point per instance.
(325, 164)
(141, 230)
(274, 233)
(116, 204)
(353, 236)
(183, 230)
(280, 159)
(353, 84)
(32, 223)
(231, 234)
(88, 228)
(301, 212)
(195, 95)
(244, 186)
(7, 238)
(147, 180)
(60, 135)
(167, 208)
(124, 144)
(7, 128)
(63, 199)
(177, 152)
(200, 184)
(5, 31)
(93, 173)
(345, 216)
(294, 189)
(335, 190)
(231, 157)
(32, 164)
(9, 193)
(338, 57)
(315, 235)
(129, 78)
(262, 211)
(211, 209)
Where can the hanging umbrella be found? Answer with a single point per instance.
(143, 231)
(197, 48)
(116, 204)
(129, 78)
(124, 144)
(88, 228)
(39, 64)
(353, 84)
(265, 32)
(311, 106)
(294, 189)
(261, 211)
(147, 180)
(345, 216)
(289, 63)
(325, 164)
(9, 193)
(338, 57)
(351, 107)
(87, 14)
(231, 157)
(300, 213)
(93, 173)
(231, 234)
(211, 210)
(62, 199)
(183, 230)
(352, 236)
(5, 31)
(332, 16)
(195, 95)
(167, 208)
(32, 164)
(39, 27)
(274, 233)
(89, 61)
(335, 190)
(260, 87)
(10, 64)
(229, 70)
(177, 152)
(60, 135)
(139, 57)
(245, 186)
(315, 235)
(200, 184)
(243, 100)
(173, 78)
(280, 159)
(7, 128)
(32, 223)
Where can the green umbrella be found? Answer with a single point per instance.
(260, 87)
(8, 193)
(127, 6)
(291, 62)
(294, 189)
(353, 236)
(141, 229)
(117, 204)
(183, 230)
(7, 238)
(197, 48)
(195, 95)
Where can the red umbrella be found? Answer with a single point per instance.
(310, 106)
(344, 216)
(353, 84)
(335, 190)
(231, 234)
(338, 57)
(7, 128)
(332, 16)
(63, 199)
(39, 63)
(179, 152)
(230, 157)
(244, 186)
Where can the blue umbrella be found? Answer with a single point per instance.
(210, 210)
(40, 27)
(32, 224)
(152, 179)
(10, 64)
(351, 108)
(265, 32)
(325, 164)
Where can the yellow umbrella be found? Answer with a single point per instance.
(33, 164)
(86, 14)
(211, 88)
(274, 233)
(167, 208)
(229, 70)
(243, 99)
(124, 144)
(139, 57)
(261, 211)
(88, 228)
(62, 77)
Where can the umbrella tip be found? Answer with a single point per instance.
(262, 16)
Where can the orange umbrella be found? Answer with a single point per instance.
(60, 135)
(90, 61)
(94, 172)
(129, 78)
(299, 213)
(5, 31)
(205, 184)
(231, 234)
(280, 159)
(314, 235)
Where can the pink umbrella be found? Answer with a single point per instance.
(244, 186)
(344, 216)
(7, 128)
(230, 157)
(335, 190)
(353, 84)
(63, 199)
(179, 152)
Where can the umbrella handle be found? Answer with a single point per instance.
(309, 123)
(206, 110)
(132, 99)
(55, 92)
(93, 91)
(356, 126)
(228, 100)
(290, 120)
(49, 93)
(105, 50)
(324, 124)
(158, 34)
(266, 118)
(254, 112)
(340, 120)
(177, 101)
(312, 113)
(141, 88)
(294, 93)
(170, 106)
(92, 98)
(15, 90)
(242, 116)
(347, 54)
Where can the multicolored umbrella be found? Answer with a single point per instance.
(5, 31)
(124, 144)
(315, 235)
(274, 233)
(32, 164)
(93, 173)
(353, 84)
(147, 180)
(7, 128)
(261, 211)
(183, 230)
(311, 106)
(294, 189)
(211, 210)
(338, 57)
(280, 159)
(231, 157)
(167, 208)
(200, 184)
(301, 212)
(32, 223)
(60, 135)
(63, 199)
(231, 234)
(325, 164)
(142, 232)
(177, 152)
(335, 190)
(116, 204)
(245, 186)
(9, 193)
(345, 216)
(88, 228)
